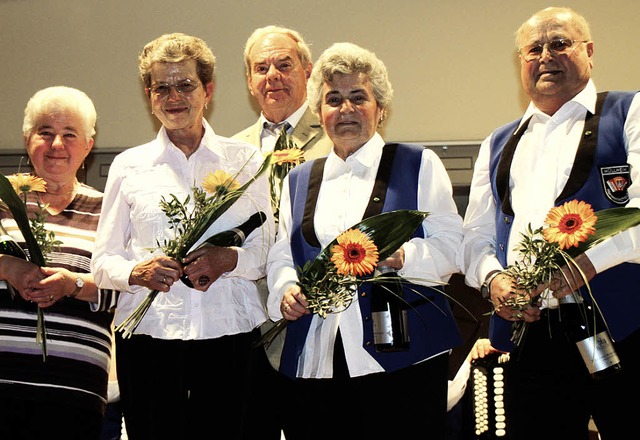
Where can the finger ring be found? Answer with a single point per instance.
(164, 279)
(203, 280)
(50, 297)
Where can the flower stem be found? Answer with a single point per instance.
(41, 333)
(130, 324)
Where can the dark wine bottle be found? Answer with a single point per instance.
(232, 237)
(584, 325)
(389, 312)
(8, 246)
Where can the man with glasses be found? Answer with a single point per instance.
(571, 144)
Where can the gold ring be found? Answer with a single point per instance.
(50, 297)
(164, 279)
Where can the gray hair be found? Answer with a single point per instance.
(175, 48)
(304, 53)
(549, 15)
(346, 59)
(58, 99)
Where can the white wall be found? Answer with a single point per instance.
(452, 64)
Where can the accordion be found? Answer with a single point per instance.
(486, 385)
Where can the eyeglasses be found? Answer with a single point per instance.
(561, 46)
(184, 87)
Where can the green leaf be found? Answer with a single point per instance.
(388, 230)
(19, 213)
(610, 222)
(214, 214)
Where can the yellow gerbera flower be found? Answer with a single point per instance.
(288, 155)
(355, 254)
(22, 183)
(570, 224)
(219, 181)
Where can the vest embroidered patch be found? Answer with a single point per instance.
(615, 183)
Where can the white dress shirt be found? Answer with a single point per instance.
(344, 194)
(132, 224)
(539, 171)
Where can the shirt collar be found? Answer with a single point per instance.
(363, 159)
(170, 150)
(586, 98)
(293, 118)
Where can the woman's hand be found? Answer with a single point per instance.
(158, 273)
(58, 284)
(205, 265)
(395, 260)
(294, 304)
(21, 274)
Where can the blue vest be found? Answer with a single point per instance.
(601, 148)
(432, 327)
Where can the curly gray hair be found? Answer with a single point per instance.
(346, 59)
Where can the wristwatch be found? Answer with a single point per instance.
(79, 286)
(485, 289)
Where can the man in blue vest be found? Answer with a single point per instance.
(572, 143)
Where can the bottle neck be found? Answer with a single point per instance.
(572, 298)
(383, 270)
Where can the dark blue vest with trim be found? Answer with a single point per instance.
(602, 145)
(432, 327)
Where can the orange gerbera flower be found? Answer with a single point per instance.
(287, 155)
(570, 224)
(219, 182)
(22, 183)
(355, 254)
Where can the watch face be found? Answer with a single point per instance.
(484, 291)
(79, 282)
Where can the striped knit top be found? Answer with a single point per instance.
(79, 334)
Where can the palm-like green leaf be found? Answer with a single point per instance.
(383, 230)
(610, 222)
(214, 214)
(19, 213)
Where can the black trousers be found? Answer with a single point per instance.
(180, 389)
(406, 404)
(23, 419)
(549, 393)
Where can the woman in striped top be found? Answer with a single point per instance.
(64, 395)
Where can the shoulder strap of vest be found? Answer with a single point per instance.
(586, 150)
(376, 201)
(379, 193)
(315, 180)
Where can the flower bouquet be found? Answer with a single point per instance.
(219, 191)
(572, 228)
(330, 280)
(286, 155)
(39, 241)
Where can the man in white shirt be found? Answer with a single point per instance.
(570, 142)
